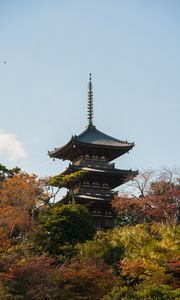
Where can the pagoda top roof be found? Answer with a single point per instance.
(91, 141)
(96, 137)
(91, 138)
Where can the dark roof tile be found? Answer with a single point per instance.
(93, 136)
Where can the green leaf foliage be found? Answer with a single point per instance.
(141, 253)
(66, 181)
(8, 173)
(64, 226)
(101, 247)
(59, 258)
(143, 292)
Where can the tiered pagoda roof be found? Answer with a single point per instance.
(95, 141)
(92, 151)
(113, 176)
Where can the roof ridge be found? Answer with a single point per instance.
(100, 133)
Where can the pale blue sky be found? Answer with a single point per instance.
(132, 48)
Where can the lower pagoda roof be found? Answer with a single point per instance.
(114, 177)
(94, 141)
(83, 198)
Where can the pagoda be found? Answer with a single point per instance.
(93, 151)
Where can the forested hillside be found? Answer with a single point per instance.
(50, 251)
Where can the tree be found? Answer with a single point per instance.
(101, 247)
(6, 173)
(148, 254)
(47, 192)
(149, 292)
(92, 280)
(64, 225)
(67, 181)
(41, 278)
(157, 200)
(32, 279)
(18, 198)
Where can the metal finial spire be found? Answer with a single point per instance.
(90, 103)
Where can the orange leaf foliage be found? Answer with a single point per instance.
(18, 196)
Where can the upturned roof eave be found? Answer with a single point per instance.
(115, 172)
(92, 131)
(60, 149)
(118, 176)
(96, 145)
(73, 142)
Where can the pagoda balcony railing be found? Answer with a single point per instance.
(94, 164)
(94, 191)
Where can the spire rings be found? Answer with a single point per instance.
(90, 103)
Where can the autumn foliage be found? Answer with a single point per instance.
(49, 250)
(159, 201)
(18, 196)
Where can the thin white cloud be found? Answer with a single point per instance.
(11, 147)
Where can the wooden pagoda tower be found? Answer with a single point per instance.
(93, 151)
